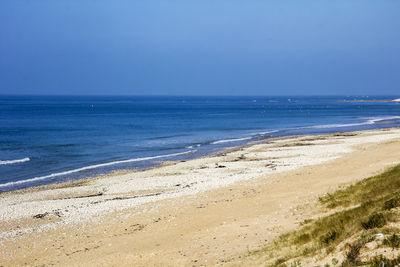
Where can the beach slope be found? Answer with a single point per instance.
(206, 211)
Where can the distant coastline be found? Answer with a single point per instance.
(372, 101)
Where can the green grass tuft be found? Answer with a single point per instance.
(391, 203)
(303, 239)
(376, 220)
(329, 237)
(392, 241)
(382, 261)
(352, 255)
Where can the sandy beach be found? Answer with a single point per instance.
(206, 211)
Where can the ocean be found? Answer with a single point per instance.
(51, 139)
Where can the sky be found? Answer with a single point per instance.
(207, 47)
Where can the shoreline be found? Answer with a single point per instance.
(123, 171)
(207, 149)
(203, 180)
(219, 153)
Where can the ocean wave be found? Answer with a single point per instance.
(91, 167)
(6, 162)
(367, 121)
(267, 132)
(372, 120)
(326, 126)
(383, 119)
(230, 140)
(197, 145)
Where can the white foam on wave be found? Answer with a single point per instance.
(369, 121)
(266, 132)
(230, 140)
(6, 162)
(383, 118)
(324, 126)
(193, 146)
(41, 178)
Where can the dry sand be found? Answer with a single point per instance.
(205, 211)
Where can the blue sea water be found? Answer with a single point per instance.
(47, 139)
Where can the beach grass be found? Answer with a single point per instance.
(355, 215)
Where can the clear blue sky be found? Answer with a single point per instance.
(203, 47)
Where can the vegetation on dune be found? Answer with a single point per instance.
(385, 185)
(382, 261)
(361, 211)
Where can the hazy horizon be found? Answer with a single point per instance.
(381, 96)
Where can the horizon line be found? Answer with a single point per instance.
(222, 95)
